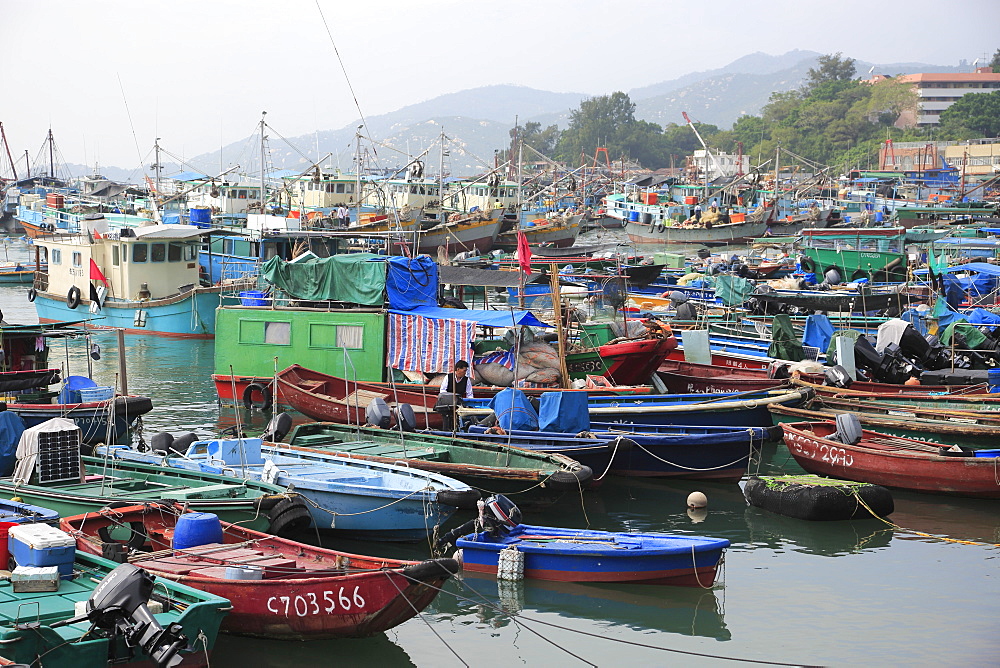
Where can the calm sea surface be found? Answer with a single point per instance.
(792, 592)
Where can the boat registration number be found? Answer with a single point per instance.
(829, 454)
(312, 603)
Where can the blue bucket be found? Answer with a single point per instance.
(987, 453)
(993, 380)
(194, 529)
(200, 215)
(253, 298)
(70, 393)
(633, 216)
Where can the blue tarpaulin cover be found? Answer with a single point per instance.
(980, 316)
(480, 317)
(564, 412)
(818, 332)
(411, 282)
(11, 428)
(513, 410)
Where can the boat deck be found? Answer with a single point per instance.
(371, 448)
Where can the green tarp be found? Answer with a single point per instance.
(784, 344)
(353, 278)
(732, 290)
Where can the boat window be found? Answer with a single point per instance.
(56, 256)
(241, 194)
(158, 252)
(190, 252)
(115, 256)
(77, 259)
(174, 251)
(350, 336)
(140, 252)
(278, 333)
(340, 188)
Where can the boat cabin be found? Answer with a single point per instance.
(228, 199)
(139, 263)
(323, 193)
(481, 195)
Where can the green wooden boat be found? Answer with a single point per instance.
(934, 425)
(855, 252)
(255, 505)
(532, 479)
(26, 620)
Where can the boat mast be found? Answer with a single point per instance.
(357, 175)
(6, 146)
(441, 171)
(52, 159)
(263, 139)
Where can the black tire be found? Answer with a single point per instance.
(73, 297)
(136, 539)
(288, 517)
(807, 264)
(267, 399)
(860, 273)
(32, 293)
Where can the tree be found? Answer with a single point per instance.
(889, 99)
(831, 68)
(532, 134)
(995, 62)
(973, 115)
(609, 121)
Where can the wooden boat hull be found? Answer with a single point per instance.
(573, 555)
(91, 418)
(904, 463)
(331, 399)
(328, 600)
(717, 234)
(626, 363)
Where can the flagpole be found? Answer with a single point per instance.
(560, 334)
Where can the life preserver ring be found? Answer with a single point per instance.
(266, 401)
(32, 293)
(73, 297)
(807, 264)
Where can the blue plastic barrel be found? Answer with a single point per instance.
(879, 217)
(253, 298)
(70, 393)
(194, 529)
(993, 380)
(633, 216)
(200, 216)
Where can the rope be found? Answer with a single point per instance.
(921, 533)
(365, 512)
(424, 619)
(689, 468)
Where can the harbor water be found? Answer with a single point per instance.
(923, 591)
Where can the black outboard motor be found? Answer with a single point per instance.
(117, 609)
(277, 428)
(446, 404)
(377, 414)
(406, 419)
(498, 516)
(837, 376)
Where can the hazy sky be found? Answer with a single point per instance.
(111, 76)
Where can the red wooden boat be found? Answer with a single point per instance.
(892, 461)
(629, 362)
(306, 593)
(686, 378)
(331, 399)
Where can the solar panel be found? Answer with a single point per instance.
(58, 456)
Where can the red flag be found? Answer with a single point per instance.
(95, 273)
(523, 252)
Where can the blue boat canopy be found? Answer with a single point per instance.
(480, 317)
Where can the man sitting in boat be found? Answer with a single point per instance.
(459, 382)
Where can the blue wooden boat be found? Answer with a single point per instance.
(577, 555)
(25, 513)
(696, 453)
(721, 410)
(369, 500)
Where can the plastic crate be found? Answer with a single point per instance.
(100, 393)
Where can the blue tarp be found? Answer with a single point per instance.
(945, 315)
(411, 282)
(564, 412)
(11, 428)
(480, 317)
(977, 267)
(818, 332)
(981, 316)
(915, 318)
(513, 410)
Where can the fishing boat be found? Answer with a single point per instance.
(556, 233)
(577, 555)
(301, 592)
(16, 273)
(810, 497)
(893, 461)
(49, 472)
(331, 399)
(144, 280)
(475, 231)
(981, 430)
(534, 479)
(629, 362)
(46, 628)
(366, 499)
(695, 453)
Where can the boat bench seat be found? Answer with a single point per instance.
(311, 385)
(205, 492)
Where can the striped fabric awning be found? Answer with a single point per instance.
(430, 345)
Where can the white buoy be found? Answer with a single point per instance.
(697, 500)
(697, 515)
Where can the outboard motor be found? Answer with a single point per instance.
(498, 515)
(446, 404)
(161, 441)
(778, 370)
(277, 428)
(837, 376)
(117, 609)
(405, 417)
(848, 429)
(832, 277)
(377, 414)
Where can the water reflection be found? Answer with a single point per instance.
(827, 539)
(687, 611)
(378, 650)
